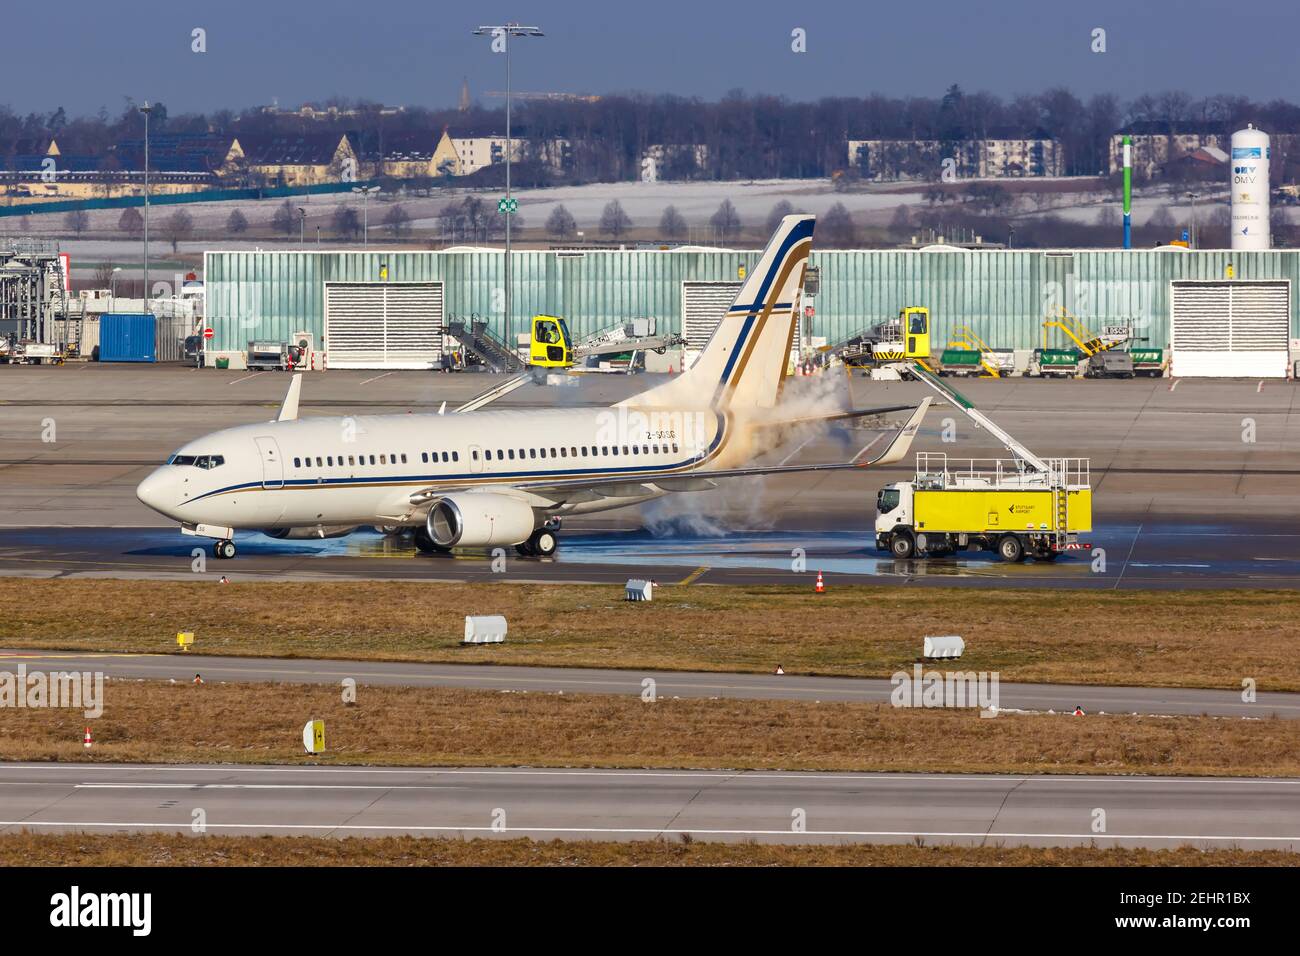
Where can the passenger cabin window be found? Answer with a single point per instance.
(455, 456)
(383, 459)
(424, 456)
(297, 463)
(403, 458)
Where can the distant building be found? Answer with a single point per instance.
(1154, 146)
(462, 153)
(993, 157)
(674, 161)
(179, 163)
(294, 159)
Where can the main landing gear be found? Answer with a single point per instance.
(540, 544)
(224, 549)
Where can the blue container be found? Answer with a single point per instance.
(128, 337)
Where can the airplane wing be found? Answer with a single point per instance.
(834, 417)
(703, 480)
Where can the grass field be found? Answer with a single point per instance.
(154, 721)
(26, 849)
(1158, 638)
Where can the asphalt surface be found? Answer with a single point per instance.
(1233, 553)
(643, 804)
(576, 680)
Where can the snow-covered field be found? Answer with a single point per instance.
(644, 203)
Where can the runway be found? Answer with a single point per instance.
(1014, 696)
(1228, 553)
(641, 804)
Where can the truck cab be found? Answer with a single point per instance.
(550, 345)
(893, 509)
(914, 322)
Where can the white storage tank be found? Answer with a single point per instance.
(1249, 165)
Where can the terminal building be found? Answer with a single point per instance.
(1223, 312)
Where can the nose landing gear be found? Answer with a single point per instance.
(224, 549)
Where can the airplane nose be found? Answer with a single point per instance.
(152, 491)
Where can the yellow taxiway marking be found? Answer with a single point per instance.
(693, 575)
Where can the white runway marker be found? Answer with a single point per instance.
(245, 378)
(376, 378)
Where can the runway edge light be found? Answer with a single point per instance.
(313, 736)
(940, 647)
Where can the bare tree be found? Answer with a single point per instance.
(560, 225)
(779, 211)
(614, 221)
(836, 227)
(284, 219)
(131, 222)
(177, 227)
(672, 225)
(345, 222)
(397, 220)
(236, 223)
(77, 221)
(726, 221)
(104, 274)
(1162, 217)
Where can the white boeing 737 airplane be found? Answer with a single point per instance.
(485, 479)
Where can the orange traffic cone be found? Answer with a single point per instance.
(88, 741)
(820, 587)
(1078, 712)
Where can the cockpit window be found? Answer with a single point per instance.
(198, 461)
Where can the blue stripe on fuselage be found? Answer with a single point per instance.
(613, 474)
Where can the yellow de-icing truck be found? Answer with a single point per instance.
(1018, 507)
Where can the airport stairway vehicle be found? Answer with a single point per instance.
(963, 338)
(1088, 343)
(483, 345)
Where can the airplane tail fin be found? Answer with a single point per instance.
(746, 358)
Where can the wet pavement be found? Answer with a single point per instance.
(1126, 554)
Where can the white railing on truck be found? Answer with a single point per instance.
(935, 470)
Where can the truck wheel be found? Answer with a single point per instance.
(1011, 549)
(902, 547)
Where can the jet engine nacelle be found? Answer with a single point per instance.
(315, 531)
(479, 520)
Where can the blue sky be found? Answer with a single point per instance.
(83, 54)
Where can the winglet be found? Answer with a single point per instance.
(289, 407)
(902, 443)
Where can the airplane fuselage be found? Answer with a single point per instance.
(365, 469)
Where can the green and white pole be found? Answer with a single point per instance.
(1128, 192)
